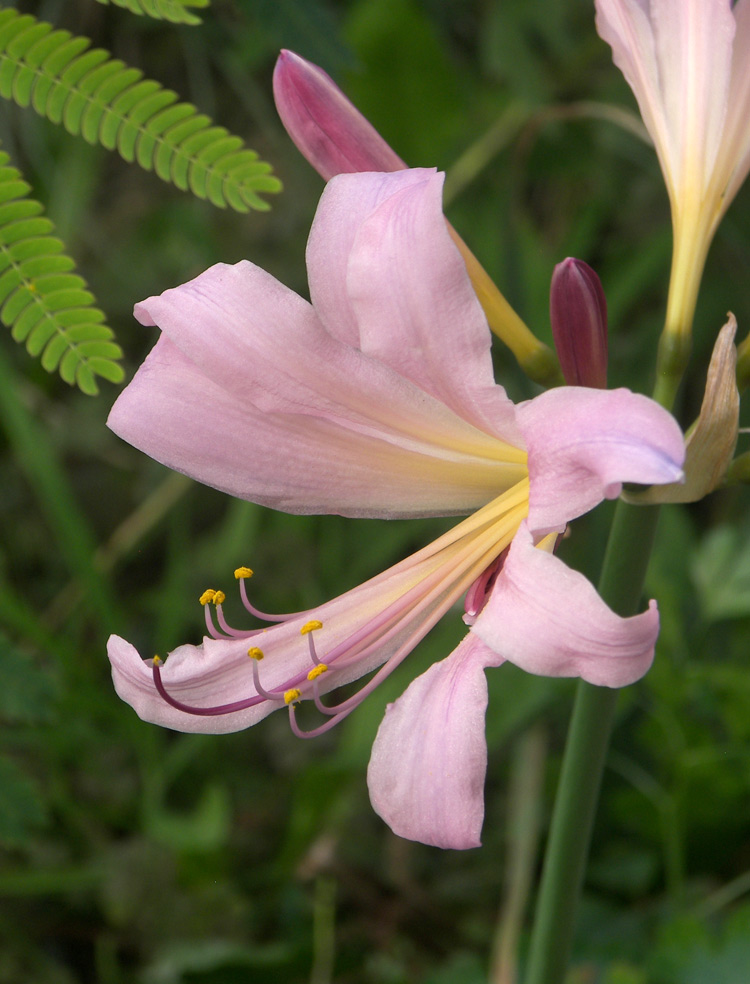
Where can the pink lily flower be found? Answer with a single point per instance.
(378, 399)
(688, 64)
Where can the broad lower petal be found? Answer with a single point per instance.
(289, 461)
(549, 620)
(584, 443)
(429, 759)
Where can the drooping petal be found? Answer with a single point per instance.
(294, 462)
(549, 620)
(429, 759)
(326, 128)
(584, 443)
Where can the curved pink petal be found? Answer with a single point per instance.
(344, 205)
(428, 762)
(386, 276)
(549, 620)
(290, 461)
(583, 444)
(417, 310)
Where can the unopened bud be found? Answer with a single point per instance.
(328, 130)
(578, 312)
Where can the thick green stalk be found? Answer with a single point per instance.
(621, 585)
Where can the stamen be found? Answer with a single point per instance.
(307, 629)
(237, 705)
(292, 695)
(242, 574)
(256, 655)
(316, 671)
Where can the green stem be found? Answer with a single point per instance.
(621, 585)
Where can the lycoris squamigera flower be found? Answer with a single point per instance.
(378, 399)
(688, 64)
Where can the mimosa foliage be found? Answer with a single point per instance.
(171, 10)
(108, 103)
(42, 301)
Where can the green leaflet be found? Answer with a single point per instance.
(171, 10)
(42, 301)
(108, 103)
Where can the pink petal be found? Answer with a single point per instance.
(428, 763)
(265, 348)
(326, 128)
(407, 298)
(584, 443)
(549, 620)
(295, 462)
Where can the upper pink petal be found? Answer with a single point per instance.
(386, 277)
(327, 129)
(549, 620)
(584, 443)
(429, 759)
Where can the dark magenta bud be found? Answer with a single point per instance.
(578, 312)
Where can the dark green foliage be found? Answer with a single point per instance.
(44, 303)
(172, 10)
(108, 103)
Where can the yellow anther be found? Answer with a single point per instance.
(310, 627)
(157, 661)
(316, 671)
(243, 572)
(292, 695)
(219, 598)
(207, 596)
(255, 653)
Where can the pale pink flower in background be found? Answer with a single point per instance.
(377, 398)
(688, 64)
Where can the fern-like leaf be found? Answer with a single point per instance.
(108, 103)
(42, 301)
(171, 10)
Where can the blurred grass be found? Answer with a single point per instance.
(132, 855)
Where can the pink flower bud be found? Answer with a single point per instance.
(326, 128)
(578, 312)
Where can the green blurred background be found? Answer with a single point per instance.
(133, 855)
